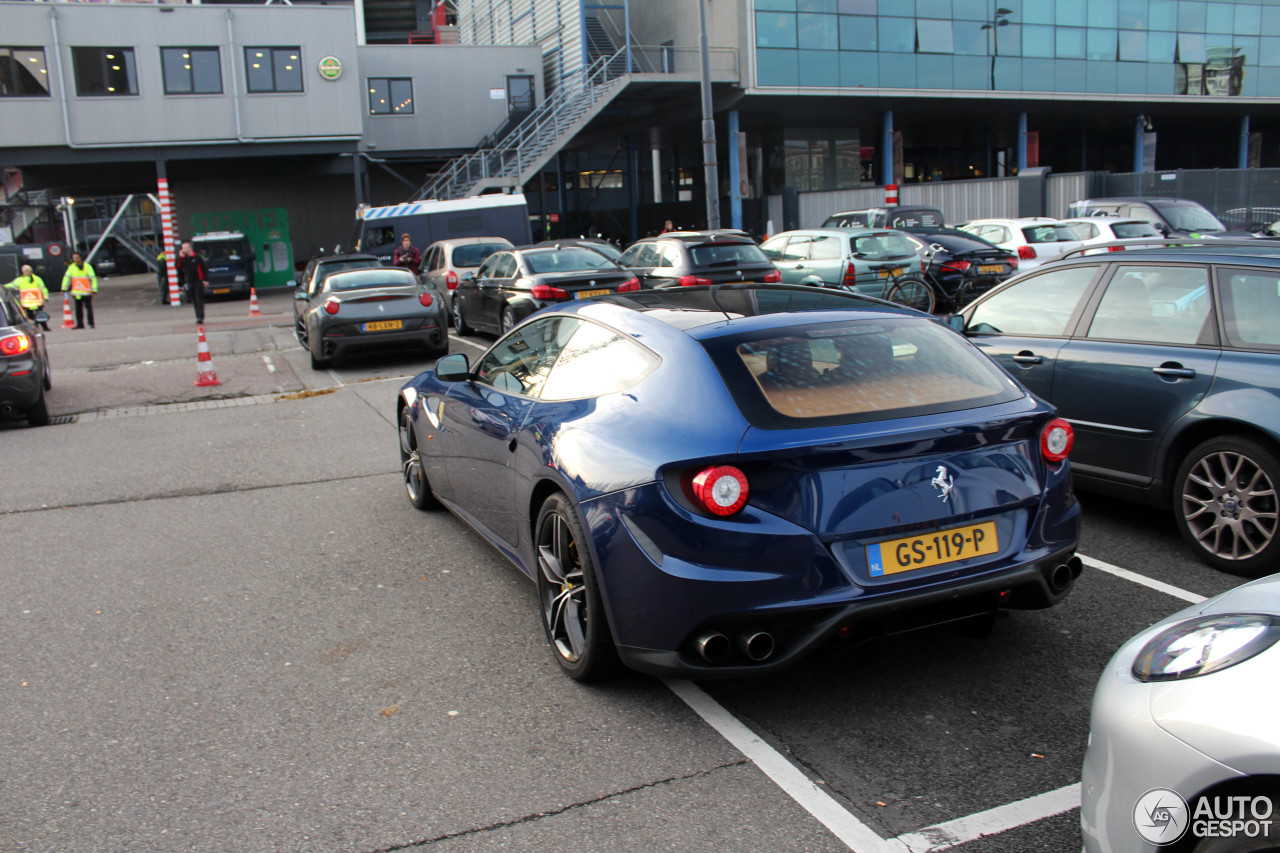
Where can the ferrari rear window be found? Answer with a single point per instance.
(852, 371)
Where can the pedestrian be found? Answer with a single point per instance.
(407, 255)
(82, 281)
(32, 294)
(667, 227)
(193, 278)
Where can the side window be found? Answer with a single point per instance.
(487, 268)
(595, 362)
(628, 258)
(648, 256)
(773, 247)
(999, 234)
(1250, 308)
(1039, 305)
(671, 256)
(506, 266)
(826, 248)
(432, 260)
(797, 249)
(1166, 305)
(1084, 230)
(1146, 214)
(520, 362)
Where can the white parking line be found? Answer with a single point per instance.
(991, 822)
(454, 337)
(1152, 583)
(856, 835)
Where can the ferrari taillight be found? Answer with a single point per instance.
(425, 299)
(719, 489)
(331, 306)
(1056, 439)
(15, 344)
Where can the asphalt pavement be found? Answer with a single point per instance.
(226, 629)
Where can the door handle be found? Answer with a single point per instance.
(1174, 371)
(1027, 357)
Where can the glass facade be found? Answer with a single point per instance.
(1217, 48)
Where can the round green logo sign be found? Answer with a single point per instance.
(331, 68)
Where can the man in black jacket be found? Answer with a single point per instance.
(192, 276)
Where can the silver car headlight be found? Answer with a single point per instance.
(1204, 645)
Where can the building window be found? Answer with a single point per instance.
(105, 71)
(390, 96)
(273, 69)
(23, 72)
(191, 70)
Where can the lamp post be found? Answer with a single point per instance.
(1000, 19)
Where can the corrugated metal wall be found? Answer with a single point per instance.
(960, 201)
(554, 25)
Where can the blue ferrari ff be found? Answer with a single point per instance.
(715, 480)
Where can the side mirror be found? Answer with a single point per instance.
(1162, 228)
(453, 367)
(300, 294)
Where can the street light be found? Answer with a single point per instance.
(1000, 19)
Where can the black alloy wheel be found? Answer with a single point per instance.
(569, 594)
(300, 330)
(415, 476)
(1227, 507)
(913, 293)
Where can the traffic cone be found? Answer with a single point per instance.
(253, 303)
(205, 375)
(67, 321)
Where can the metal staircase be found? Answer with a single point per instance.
(512, 160)
(23, 214)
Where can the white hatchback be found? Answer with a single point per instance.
(1094, 230)
(1035, 240)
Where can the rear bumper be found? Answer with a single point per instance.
(433, 336)
(19, 393)
(1031, 586)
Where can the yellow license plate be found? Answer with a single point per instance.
(932, 549)
(222, 290)
(583, 294)
(384, 326)
(989, 269)
(895, 272)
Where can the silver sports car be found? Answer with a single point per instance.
(370, 309)
(1184, 746)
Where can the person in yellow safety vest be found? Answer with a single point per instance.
(32, 294)
(82, 282)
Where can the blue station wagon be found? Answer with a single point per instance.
(1167, 364)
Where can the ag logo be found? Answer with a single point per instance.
(330, 68)
(1161, 816)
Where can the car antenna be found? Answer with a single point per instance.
(715, 297)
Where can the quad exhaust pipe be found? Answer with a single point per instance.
(714, 647)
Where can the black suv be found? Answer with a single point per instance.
(687, 258)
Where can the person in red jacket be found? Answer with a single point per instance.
(407, 255)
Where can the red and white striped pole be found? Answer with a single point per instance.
(170, 239)
(890, 194)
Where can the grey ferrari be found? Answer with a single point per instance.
(370, 309)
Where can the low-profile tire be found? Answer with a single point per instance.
(300, 330)
(913, 293)
(38, 413)
(416, 483)
(48, 374)
(459, 322)
(1225, 502)
(569, 594)
(509, 320)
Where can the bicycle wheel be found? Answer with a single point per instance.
(913, 293)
